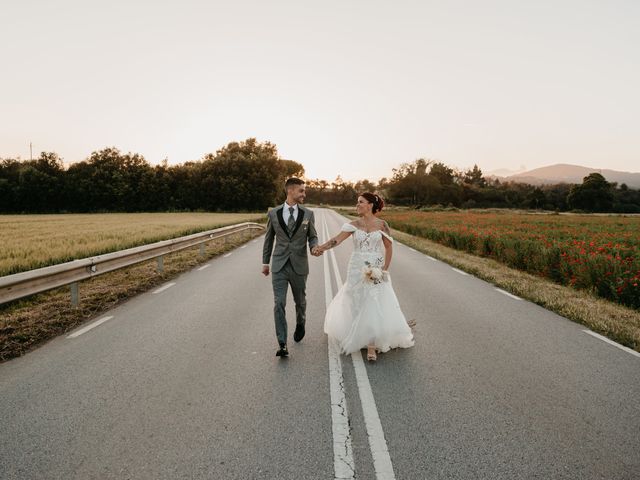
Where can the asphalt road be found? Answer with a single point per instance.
(184, 384)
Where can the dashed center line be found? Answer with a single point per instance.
(227, 255)
(204, 266)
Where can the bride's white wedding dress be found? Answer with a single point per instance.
(362, 312)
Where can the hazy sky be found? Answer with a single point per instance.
(344, 87)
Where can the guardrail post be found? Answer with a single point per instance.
(202, 249)
(74, 294)
(161, 263)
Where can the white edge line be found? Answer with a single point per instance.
(343, 463)
(228, 254)
(204, 266)
(413, 249)
(611, 342)
(377, 443)
(244, 246)
(459, 271)
(508, 294)
(90, 326)
(431, 258)
(163, 288)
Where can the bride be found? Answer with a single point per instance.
(365, 311)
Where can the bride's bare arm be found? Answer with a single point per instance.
(335, 241)
(388, 247)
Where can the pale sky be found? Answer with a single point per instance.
(347, 87)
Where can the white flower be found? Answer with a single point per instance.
(372, 275)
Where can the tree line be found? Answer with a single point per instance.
(426, 183)
(249, 176)
(242, 176)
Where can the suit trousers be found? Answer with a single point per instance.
(281, 281)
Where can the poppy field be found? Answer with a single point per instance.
(598, 253)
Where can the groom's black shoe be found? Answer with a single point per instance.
(299, 333)
(283, 352)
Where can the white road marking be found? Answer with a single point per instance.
(204, 266)
(377, 443)
(413, 250)
(228, 254)
(611, 342)
(431, 258)
(89, 327)
(343, 463)
(244, 246)
(508, 294)
(459, 271)
(254, 241)
(164, 287)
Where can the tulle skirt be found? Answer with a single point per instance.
(363, 313)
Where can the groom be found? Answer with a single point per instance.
(292, 226)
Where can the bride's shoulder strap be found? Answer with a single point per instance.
(348, 227)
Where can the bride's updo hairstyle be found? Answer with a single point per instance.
(375, 200)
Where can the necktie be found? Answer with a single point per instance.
(291, 223)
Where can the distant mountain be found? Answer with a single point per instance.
(564, 173)
(504, 172)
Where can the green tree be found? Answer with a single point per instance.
(536, 198)
(593, 195)
(32, 186)
(475, 177)
(292, 169)
(442, 173)
(362, 186)
(244, 175)
(411, 185)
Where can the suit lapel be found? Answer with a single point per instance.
(299, 221)
(281, 220)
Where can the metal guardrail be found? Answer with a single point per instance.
(20, 285)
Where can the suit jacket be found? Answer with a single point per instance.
(293, 246)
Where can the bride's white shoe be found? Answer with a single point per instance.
(371, 354)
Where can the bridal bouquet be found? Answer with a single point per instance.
(372, 274)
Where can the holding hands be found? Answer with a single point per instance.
(317, 251)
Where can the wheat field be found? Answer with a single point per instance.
(34, 241)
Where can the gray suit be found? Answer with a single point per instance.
(289, 263)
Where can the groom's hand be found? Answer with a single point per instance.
(265, 270)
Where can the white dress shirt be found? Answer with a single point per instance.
(285, 212)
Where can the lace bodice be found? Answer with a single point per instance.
(366, 242)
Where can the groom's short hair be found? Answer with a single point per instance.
(292, 181)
